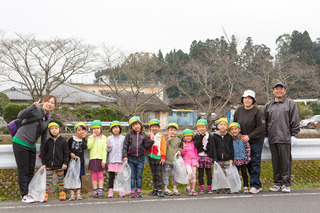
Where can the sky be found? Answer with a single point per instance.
(147, 25)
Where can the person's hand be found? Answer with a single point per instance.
(162, 161)
(266, 142)
(245, 138)
(184, 145)
(72, 155)
(246, 162)
(44, 166)
(231, 161)
(169, 137)
(64, 166)
(125, 159)
(108, 144)
(94, 136)
(179, 153)
(38, 103)
(197, 164)
(152, 137)
(293, 141)
(103, 165)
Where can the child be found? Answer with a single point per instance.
(173, 147)
(77, 144)
(223, 146)
(134, 146)
(156, 156)
(202, 143)
(55, 157)
(241, 153)
(114, 148)
(190, 158)
(97, 144)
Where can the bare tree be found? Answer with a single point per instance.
(42, 65)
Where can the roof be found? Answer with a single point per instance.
(65, 93)
(153, 104)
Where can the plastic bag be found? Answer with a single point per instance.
(219, 180)
(72, 178)
(234, 178)
(180, 171)
(37, 186)
(122, 182)
(266, 142)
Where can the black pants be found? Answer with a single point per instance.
(156, 170)
(201, 174)
(244, 174)
(26, 160)
(111, 179)
(281, 163)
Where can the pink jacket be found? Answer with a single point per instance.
(189, 154)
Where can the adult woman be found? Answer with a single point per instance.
(24, 141)
(251, 120)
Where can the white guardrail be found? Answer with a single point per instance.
(306, 149)
(88, 124)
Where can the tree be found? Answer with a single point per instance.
(42, 65)
(4, 100)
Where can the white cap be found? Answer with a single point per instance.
(249, 93)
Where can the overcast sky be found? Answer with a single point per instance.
(146, 25)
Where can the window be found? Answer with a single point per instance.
(179, 114)
(184, 114)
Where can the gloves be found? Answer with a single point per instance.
(266, 142)
(293, 141)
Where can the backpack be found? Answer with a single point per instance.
(14, 125)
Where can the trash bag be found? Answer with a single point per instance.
(234, 178)
(37, 186)
(72, 178)
(180, 171)
(122, 182)
(219, 179)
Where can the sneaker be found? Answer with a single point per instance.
(62, 196)
(27, 199)
(201, 191)
(153, 193)
(209, 190)
(260, 189)
(188, 189)
(286, 189)
(72, 197)
(132, 194)
(176, 192)
(189, 193)
(245, 190)
(228, 191)
(218, 191)
(194, 193)
(168, 192)
(275, 188)
(79, 196)
(110, 193)
(139, 193)
(95, 193)
(159, 193)
(254, 190)
(122, 195)
(46, 197)
(100, 193)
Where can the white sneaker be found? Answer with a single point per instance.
(275, 188)
(27, 199)
(254, 190)
(245, 190)
(286, 189)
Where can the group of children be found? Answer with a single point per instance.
(109, 153)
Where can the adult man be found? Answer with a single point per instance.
(282, 121)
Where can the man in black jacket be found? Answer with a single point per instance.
(282, 121)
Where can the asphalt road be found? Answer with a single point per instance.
(302, 200)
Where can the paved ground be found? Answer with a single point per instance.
(302, 200)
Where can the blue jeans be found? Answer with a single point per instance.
(136, 165)
(254, 165)
(167, 169)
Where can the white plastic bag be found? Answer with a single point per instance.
(180, 171)
(122, 182)
(72, 178)
(219, 180)
(234, 178)
(37, 186)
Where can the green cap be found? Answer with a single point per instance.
(187, 132)
(79, 124)
(133, 119)
(96, 124)
(154, 122)
(172, 125)
(202, 122)
(114, 123)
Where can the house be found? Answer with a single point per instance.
(66, 94)
(183, 117)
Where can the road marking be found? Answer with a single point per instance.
(138, 200)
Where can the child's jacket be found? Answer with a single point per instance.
(115, 150)
(135, 144)
(173, 146)
(223, 145)
(55, 153)
(159, 148)
(241, 151)
(189, 154)
(77, 147)
(98, 148)
(198, 143)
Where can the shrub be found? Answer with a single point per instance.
(304, 111)
(4, 100)
(11, 111)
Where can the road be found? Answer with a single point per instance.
(301, 200)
